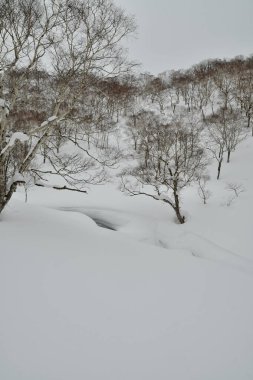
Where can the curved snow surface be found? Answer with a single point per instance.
(136, 226)
(80, 302)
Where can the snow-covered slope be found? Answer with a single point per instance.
(151, 300)
(81, 302)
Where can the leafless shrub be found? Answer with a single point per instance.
(237, 188)
(203, 192)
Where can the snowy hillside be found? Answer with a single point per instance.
(126, 199)
(151, 300)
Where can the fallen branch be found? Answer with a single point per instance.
(61, 188)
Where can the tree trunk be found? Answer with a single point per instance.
(203, 114)
(248, 119)
(2, 185)
(219, 167)
(44, 154)
(228, 156)
(180, 217)
(2, 161)
(146, 157)
(176, 207)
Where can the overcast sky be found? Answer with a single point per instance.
(175, 34)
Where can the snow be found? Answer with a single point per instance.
(49, 120)
(18, 177)
(82, 302)
(20, 136)
(151, 300)
(44, 123)
(2, 103)
(52, 118)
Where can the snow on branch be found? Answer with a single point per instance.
(18, 178)
(17, 136)
(49, 120)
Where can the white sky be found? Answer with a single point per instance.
(175, 34)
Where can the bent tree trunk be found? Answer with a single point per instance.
(7, 192)
(2, 159)
(2, 185)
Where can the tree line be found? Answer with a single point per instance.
(181, 120)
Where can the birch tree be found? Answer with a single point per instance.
(72, 41)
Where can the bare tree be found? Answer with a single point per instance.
(174, 159)
(225, 132)
(224, 79)
(244, 89)
(203, 191)
(79, 41)
(237, 188)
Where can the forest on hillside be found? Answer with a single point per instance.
(73, 105)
